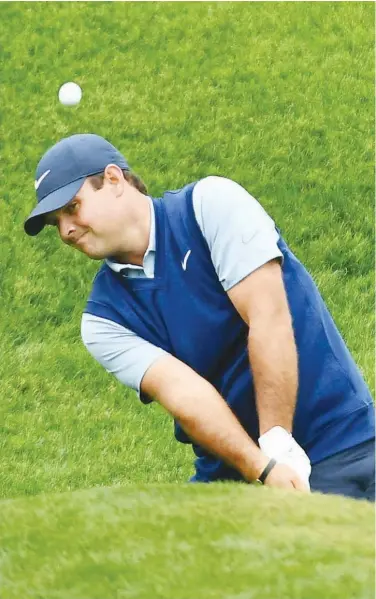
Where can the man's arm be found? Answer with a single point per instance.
(261, 301)
(208, 420)
(242, 240)
(192, 400)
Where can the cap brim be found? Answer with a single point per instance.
(54, 201)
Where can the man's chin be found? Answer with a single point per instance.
(91, 253)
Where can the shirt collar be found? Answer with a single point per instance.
(117, 267)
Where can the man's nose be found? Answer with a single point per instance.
(67, 230)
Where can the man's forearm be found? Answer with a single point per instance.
(274, 362)
(209, 421)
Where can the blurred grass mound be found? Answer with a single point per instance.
(220, 541)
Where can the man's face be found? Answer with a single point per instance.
(90, 222)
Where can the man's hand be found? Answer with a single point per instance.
(284, 477)
(279, 444)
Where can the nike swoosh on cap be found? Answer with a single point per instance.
(39, 181)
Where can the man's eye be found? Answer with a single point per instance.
(72, 207)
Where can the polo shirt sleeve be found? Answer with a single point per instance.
(240, 234)
(120, 351)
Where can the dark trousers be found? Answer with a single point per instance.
(350, 473)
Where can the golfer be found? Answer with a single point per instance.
(201, 305)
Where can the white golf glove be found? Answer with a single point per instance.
(279, 444)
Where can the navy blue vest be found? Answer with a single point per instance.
(188, 314)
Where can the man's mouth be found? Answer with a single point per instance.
(80, 239)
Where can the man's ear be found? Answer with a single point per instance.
(114, 176)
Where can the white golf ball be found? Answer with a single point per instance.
(70, 94)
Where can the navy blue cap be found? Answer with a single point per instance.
(63, 169)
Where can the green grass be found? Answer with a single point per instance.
(217, 541)
(279, 97)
